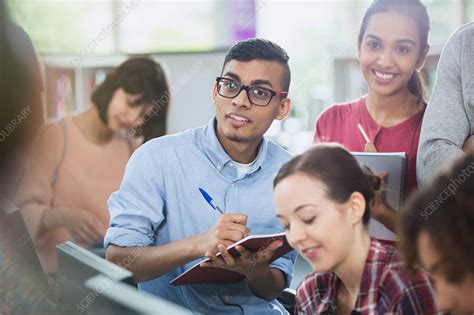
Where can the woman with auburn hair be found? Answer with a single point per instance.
(323, 201)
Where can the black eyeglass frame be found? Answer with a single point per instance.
(246, 88)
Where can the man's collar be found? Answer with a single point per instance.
(219, 157)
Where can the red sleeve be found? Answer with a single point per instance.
(418, 296)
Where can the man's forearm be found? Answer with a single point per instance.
(269, 285)
(148, 263)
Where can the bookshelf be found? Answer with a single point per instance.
(68, 85)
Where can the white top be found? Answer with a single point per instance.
(243, 169)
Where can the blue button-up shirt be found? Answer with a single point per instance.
(159, 202)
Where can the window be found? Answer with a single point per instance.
(64, 27)
(117, 26)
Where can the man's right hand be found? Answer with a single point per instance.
(229, 229)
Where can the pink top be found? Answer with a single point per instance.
(339, 124)
(87, 176)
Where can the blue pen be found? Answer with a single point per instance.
(210, 201)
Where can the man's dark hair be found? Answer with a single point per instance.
(138, 76)
(258, 48)
(444, 209)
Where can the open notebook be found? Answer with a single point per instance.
(197, 274)
(395, 163)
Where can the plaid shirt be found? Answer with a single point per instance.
(384, 288)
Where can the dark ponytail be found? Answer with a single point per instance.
(338, 170)
(417, 87)
(416, 10)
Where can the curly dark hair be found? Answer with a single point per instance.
(143, 76)
(445, 210)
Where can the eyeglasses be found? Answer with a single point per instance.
(257, 95)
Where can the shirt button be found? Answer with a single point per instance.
(231, 164)
(232, 185)
(226, 297)
(218, 166)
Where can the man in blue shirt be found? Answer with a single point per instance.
(159, 209)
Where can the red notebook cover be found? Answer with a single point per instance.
(198, 274)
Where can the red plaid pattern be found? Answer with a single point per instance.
(385, 288)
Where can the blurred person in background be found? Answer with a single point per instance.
(437, 233)
(79, 161)
(21, 109)
(451, 106)
(23, 287)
